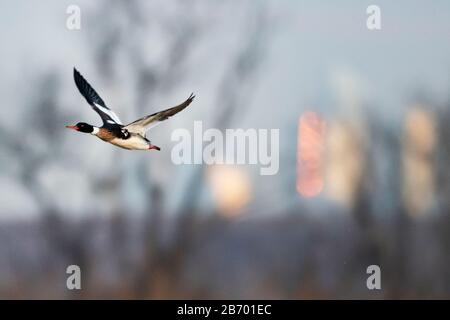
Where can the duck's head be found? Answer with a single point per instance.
(82, 127)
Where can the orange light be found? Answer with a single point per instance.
(310, 145)
(231, 188)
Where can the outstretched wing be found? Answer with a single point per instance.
(140, 126)
(92, 97)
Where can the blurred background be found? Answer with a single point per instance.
(364, 150)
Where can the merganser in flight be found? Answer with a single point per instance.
(130, 136)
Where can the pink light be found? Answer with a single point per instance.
(310, 145)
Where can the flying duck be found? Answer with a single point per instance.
(130, 136)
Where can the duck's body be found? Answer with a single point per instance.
(133, 142)
(131, 136)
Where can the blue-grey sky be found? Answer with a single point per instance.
(319, 56)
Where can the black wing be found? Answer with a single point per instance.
(92, 97)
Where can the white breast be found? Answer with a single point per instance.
(135, 142)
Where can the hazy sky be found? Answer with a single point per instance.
(312, 42)
(320, 56)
